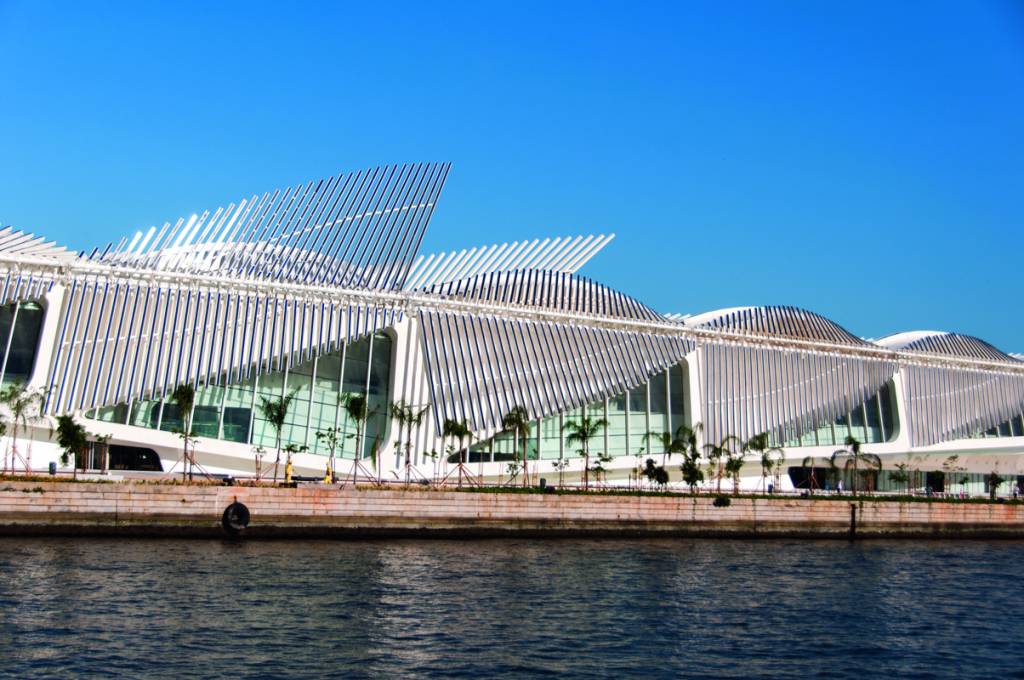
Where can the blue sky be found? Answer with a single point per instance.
(863, 160)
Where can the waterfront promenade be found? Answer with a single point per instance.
(321, 510)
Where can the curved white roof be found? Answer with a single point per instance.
(775, 320)
(942, 342)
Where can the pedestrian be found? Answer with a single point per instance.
(839, 487)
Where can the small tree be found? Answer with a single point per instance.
(183, 397)
(691, 470)
(330, 438)
(599, 469)
(900, 476)
(581, 432)
(258, 452)
(994, 481)
(290, 450)
(656, 474)
(275, 412)
(434, 459)
(952, 468)
(517, 421)
(560, 465)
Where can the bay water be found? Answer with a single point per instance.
(510, 608)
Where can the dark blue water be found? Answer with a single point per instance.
(570, 608)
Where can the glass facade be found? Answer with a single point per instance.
(233, 413)
(20, 325)
(918, 481)
(657, 406)
(1014, 427)
(872, 422)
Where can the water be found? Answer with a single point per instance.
(513, 608)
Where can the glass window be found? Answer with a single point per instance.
(890, 421)
(206, 413)
(145, 414)
(550, 438)
(659, 406)
(377, 399)
(857, 425)
(638, 419)
(324, 407)
(22, 355)
(269, 388)
(874, 419)
(679, 388)
(110, 414)
(237, 411)
(170, 420)
(617, 444)
(356, 363)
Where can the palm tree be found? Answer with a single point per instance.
(72, 439)
(459, 431)
(855, 458)
(581, 432)
(687, 444)
(407, 416)
(183, 397)
(808, 462)
(668, 443)
(375, 457)
(733, 466)
(358, 410)
(24, 405)
(275, 411)
(761, 445)
(686, 438)
(716, 452)
(517, 421)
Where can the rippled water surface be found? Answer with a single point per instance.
(573, 608)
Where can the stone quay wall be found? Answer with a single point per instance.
(139, 509)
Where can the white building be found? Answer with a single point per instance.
(318, 293)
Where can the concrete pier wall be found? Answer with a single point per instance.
(330, 511)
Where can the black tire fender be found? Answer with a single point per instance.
(236, 518)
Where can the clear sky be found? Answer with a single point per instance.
(864, 160)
